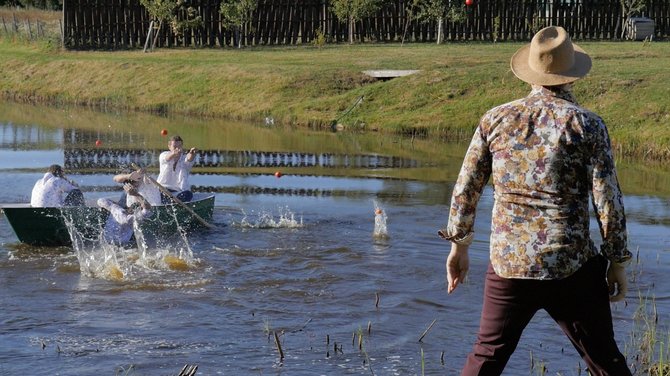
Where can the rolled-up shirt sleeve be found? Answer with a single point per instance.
(474, 175)
(608, 200)
(142, 214)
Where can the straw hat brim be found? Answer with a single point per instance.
(521, 69)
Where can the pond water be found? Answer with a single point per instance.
(303, 256)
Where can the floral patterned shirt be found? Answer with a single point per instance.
(546, 155)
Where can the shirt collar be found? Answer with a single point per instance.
(562, 92)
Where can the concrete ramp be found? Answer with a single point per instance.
(387, 74)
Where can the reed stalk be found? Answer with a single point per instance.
(279, 349)
(427, 330)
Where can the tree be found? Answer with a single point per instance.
(439, 11)
(237, 13)
(167, 11)
(39, 4)
(351, 11)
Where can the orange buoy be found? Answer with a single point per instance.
(164, 132)
(278, 174)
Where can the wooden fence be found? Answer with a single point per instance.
(114, 24)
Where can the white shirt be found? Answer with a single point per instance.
(119, 225)
(171, 177)
(50, 191)
(148, 190)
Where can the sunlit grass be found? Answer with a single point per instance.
(308, 86)
(648, 343)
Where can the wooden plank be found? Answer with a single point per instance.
(389, 73)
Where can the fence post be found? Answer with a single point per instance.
(61, 21)
(30, 30)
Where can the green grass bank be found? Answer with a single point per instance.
(309, 86)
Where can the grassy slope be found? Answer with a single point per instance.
(305, 85)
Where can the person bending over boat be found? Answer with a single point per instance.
(55, 190)
(119, 226)
(175, 167)
(144, 186)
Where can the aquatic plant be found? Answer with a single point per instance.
(123, 371)
(423, 363)
(648, 343)
(537, 366)
(267, 327)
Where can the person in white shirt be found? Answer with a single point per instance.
(144, 186)
(119, 228)
(55, 190)
(175, 167)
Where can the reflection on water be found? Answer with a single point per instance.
(99, 158)
(342, 241)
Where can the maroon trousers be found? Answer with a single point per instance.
(579, 304)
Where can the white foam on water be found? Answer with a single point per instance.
(285, 218)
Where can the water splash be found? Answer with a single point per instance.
(266, 220)
(100, 259)
(380, 231)
(171, 252)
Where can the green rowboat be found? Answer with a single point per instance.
(48, 226)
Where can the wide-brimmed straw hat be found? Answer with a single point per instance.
(550, 59)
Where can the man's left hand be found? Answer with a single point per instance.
(132, 191)
(191, 154)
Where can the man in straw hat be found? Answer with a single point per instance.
(546, 155)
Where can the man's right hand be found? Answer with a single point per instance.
(136, 175)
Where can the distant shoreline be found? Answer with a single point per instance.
(325, 88)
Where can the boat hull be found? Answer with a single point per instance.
(48, 226)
